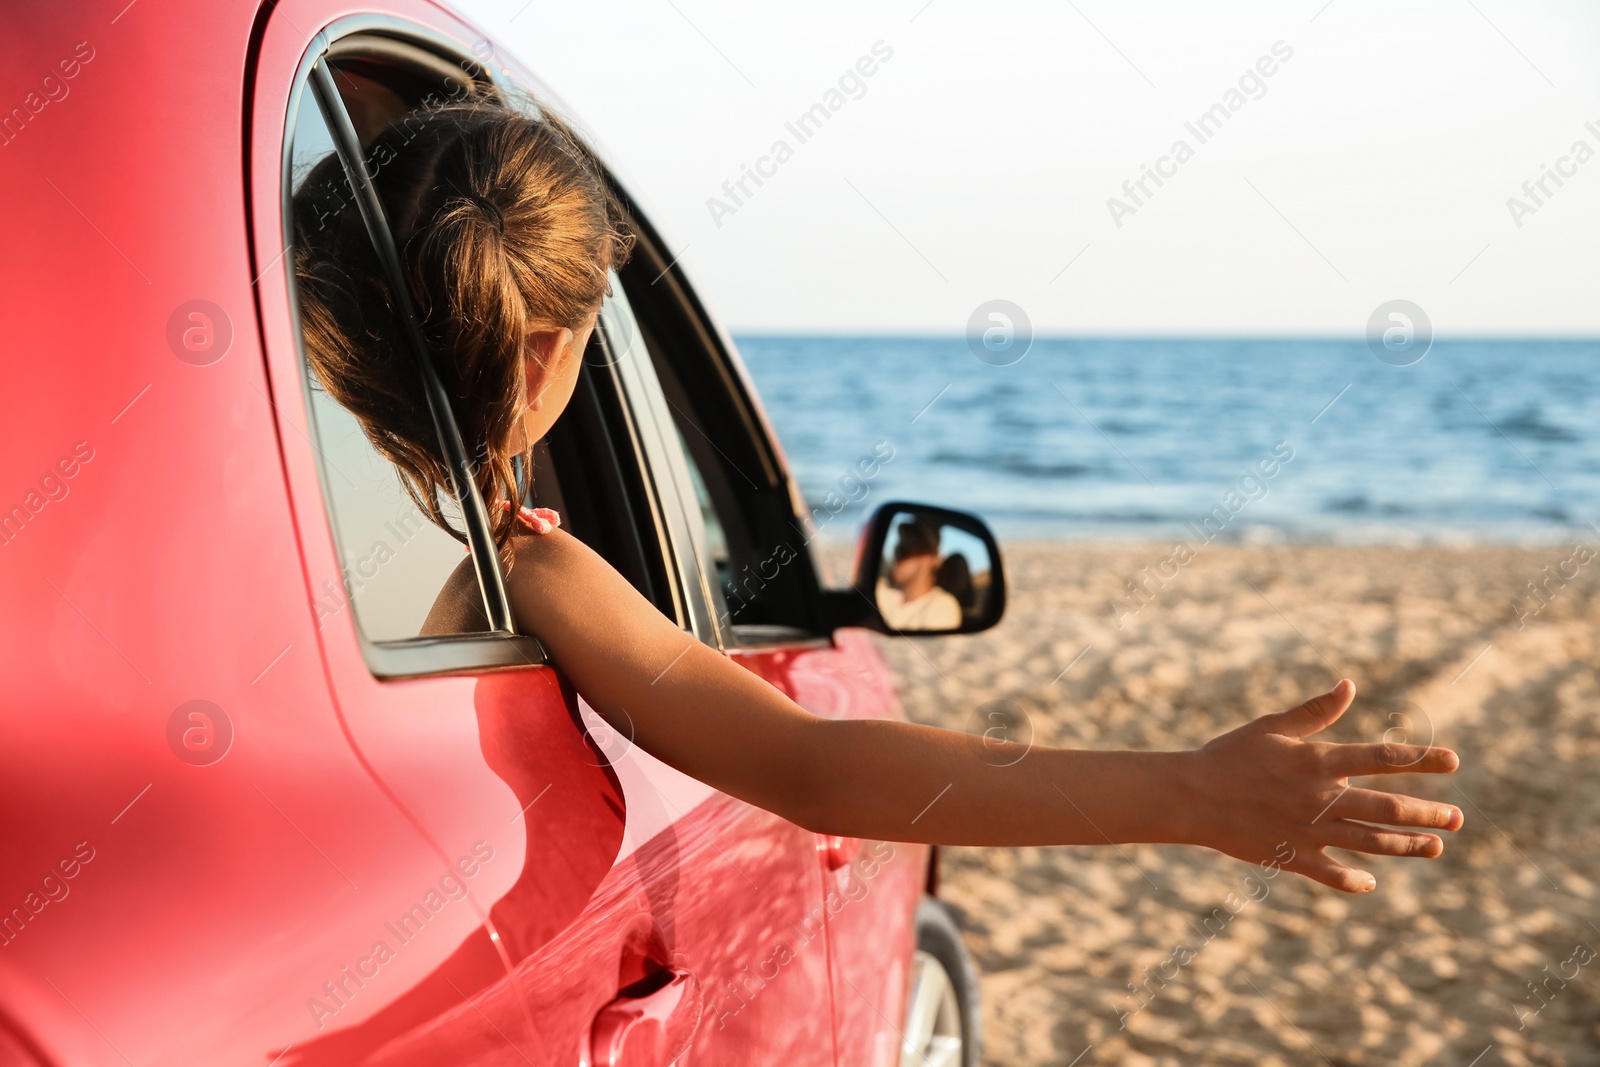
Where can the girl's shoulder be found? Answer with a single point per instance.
(459, 606)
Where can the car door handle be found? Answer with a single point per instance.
(648, 1030)
(837, 852)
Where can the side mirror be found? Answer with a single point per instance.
(922, 570)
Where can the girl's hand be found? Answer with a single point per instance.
(1264, 786)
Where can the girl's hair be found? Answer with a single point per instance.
(505, 223)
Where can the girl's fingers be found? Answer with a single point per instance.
(1314, 715)
(1321, 867)
(1349, 761)
(1394, 809)
(1358, 837)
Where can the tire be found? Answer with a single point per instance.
(943, 1026)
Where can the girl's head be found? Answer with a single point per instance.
(507, 229)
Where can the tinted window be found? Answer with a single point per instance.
(755, 544)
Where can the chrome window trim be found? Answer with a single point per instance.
(451, 654)
(760, 635)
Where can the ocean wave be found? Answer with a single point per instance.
(1482, 439)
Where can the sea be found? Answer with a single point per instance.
(1112, 439)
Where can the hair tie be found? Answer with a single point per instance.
(491, 209)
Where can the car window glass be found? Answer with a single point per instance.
(393, 558)
(590, 468)
(756, 549)
(716, 480)
(716, 536)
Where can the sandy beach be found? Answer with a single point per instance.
(1440, 964)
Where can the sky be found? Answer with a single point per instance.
(1361, 152)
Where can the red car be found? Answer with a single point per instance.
(250, 816)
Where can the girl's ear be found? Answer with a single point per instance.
(542, 353)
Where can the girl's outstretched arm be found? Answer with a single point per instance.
(1248, 793)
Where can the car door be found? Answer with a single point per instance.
(189, 841)
(757, 570)
(560, 882)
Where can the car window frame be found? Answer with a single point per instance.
(659, 529)
(715, 350)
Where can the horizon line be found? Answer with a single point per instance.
(891, 335)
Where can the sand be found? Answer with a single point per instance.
(1434, 966)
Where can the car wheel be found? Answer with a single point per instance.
(942, 1021)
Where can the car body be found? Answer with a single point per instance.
(243, 824)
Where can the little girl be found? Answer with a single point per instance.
(507, 230)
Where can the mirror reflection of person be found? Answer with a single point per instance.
(911, 597)
(955, 574)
